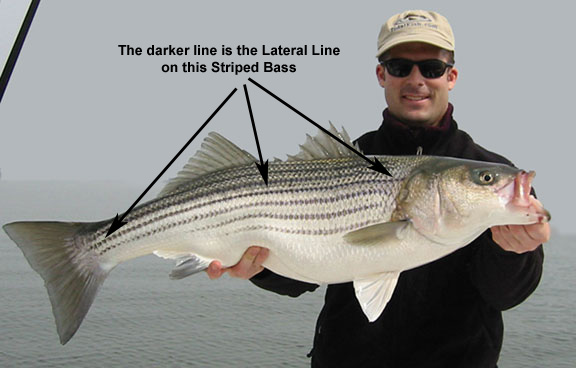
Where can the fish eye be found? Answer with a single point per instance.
(486, 177)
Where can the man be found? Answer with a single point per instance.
(446, 313)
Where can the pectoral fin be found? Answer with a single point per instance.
(373, 293)
(378, 233)
(189, 266)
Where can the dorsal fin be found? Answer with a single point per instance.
(323, 146)
(216, 153)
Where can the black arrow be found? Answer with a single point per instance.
(375, 165)
(262, 166)
(15, 52)
(119, 222)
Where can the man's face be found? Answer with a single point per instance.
(414, 99)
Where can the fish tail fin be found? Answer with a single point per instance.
(72, 273)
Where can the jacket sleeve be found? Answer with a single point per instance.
(504, 279)
(270, 281)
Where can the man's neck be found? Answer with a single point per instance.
(441, 124)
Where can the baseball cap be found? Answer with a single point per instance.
(416, 26)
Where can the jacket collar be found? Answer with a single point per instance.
(400, 138)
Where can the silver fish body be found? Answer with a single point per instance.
(325, 217)
(301, 216)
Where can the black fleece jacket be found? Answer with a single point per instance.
(443, 314)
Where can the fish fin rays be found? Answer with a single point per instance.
(373, 293)
(377, 234)
(71, 274)
(216, 153)
(188, 266)
(322, 146)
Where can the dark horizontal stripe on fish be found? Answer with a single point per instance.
(307, 169)
(134, 225)
(265, 215)
(324, 232)
(283, 168)
(178, 198)
(236, 178)
(191, 219)
(200, 191)
(191, 197)
(276, 203)
(301, 217)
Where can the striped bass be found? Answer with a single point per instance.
(324, 216)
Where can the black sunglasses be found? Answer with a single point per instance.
(431, 68)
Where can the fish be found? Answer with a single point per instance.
(324, 215)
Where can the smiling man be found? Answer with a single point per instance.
(411, 97)
(447, 313)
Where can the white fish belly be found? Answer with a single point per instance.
(308, 250)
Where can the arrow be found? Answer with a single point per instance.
(262, 166)
(119, 221)
(375, 165)
(15, 52)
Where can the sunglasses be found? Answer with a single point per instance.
(430, 69)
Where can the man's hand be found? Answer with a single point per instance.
(521, 238)
(249, 265)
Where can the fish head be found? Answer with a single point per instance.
(452, 201)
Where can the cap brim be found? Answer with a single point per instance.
(429, 39)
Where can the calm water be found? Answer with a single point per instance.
(142, 318)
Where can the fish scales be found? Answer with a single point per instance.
(323, 192)
(255, 182)
(325, 217)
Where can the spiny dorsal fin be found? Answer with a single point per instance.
(323, 146)
(216, 153)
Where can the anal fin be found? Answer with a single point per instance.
(374, 292)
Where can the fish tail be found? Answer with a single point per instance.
(72, 273)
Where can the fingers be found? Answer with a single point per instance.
(249, 265)
(539, 232)
(215, 270)
(521, 238)
(511, 238)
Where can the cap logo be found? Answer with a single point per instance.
(413, 20)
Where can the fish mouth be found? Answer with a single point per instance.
(516, 197)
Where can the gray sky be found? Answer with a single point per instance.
(76, 109)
